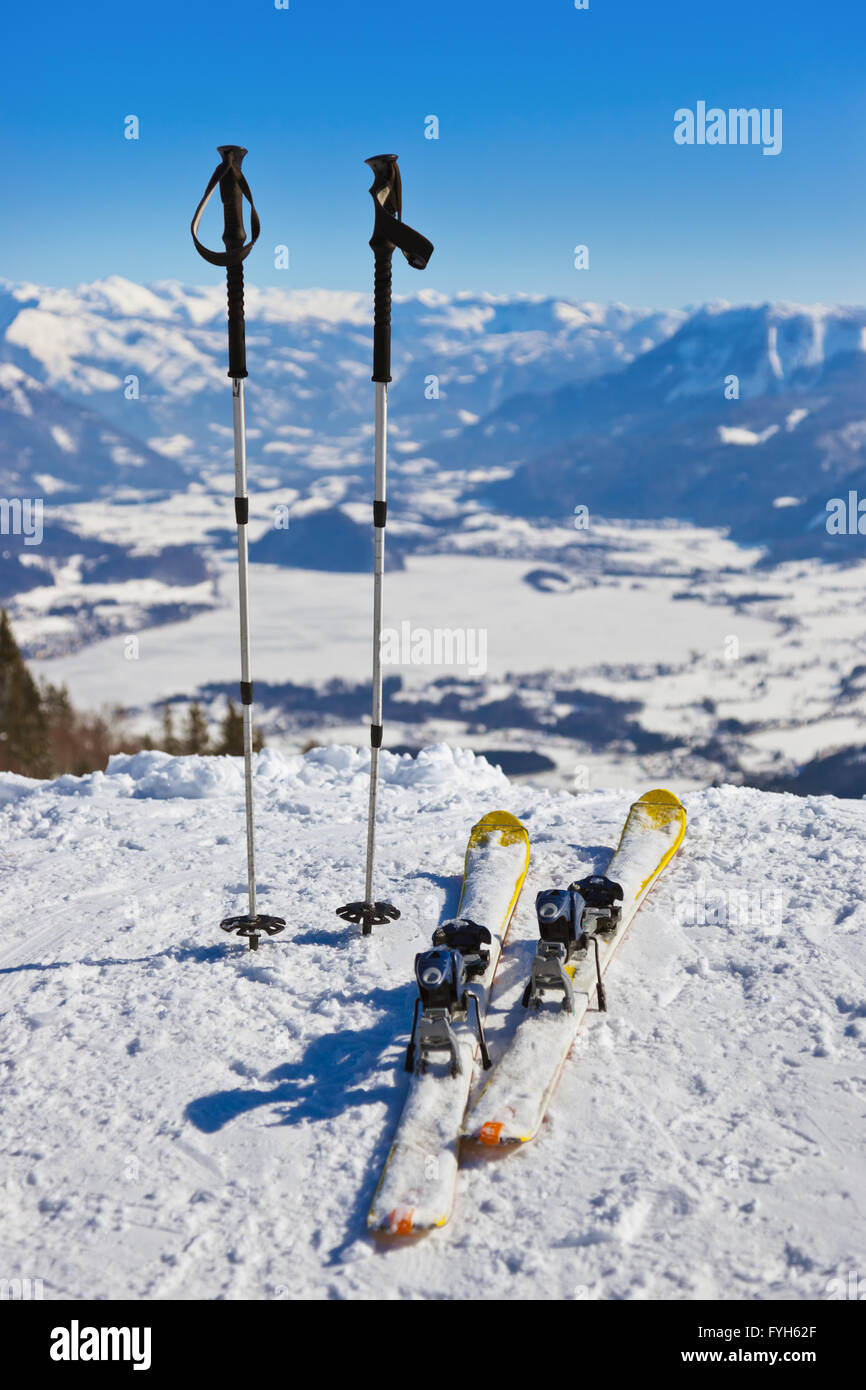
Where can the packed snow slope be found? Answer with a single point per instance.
(183, 1119)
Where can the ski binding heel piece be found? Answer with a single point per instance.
(434, 1034)
(548, 972)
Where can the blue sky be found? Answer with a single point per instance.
(556, 129)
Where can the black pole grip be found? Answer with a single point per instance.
(237, 330)
(390, 233)
(382, 314)
(233, 190)
(232, 196)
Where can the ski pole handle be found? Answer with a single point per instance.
(382, 313)
(233, 189)
(234, 238)
(237, 326)
(232, 195)
(390, 233)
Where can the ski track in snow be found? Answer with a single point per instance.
(184, 1119)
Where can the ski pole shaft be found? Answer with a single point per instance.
(380, 510)
(241, 517)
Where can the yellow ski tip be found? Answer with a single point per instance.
(510, 828)
(660, 794)
(660, 807)
(656, 810)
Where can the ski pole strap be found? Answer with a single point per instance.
(233, 189)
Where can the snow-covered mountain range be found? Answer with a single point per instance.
(309, 360)
(669, 429)
(749, 418)
(746, 417)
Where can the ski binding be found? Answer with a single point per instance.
(569, 919)
(442, 974)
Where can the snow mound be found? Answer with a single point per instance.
(159, 776)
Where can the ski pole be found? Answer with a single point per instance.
(390, 233)
(233, 189)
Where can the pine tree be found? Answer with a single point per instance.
(64, 732)
(24, 746)
(167, 738)
(56, 704)
(232, 732)
(196, 738)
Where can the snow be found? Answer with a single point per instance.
(183, 1119)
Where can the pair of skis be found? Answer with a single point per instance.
(580, 928)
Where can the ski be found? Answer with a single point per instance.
(581, 928)
(419, 1179)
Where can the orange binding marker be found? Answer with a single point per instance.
(490, 1132)
(400, 1221)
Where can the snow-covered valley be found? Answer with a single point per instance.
(635, 653)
